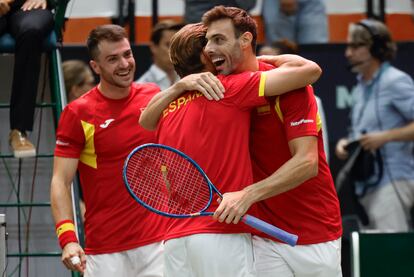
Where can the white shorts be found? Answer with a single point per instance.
(209, 255)
(273, 259)
(144, 261)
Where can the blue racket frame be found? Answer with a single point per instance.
(252, 221)
(211, 186)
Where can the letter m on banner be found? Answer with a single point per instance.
(344, 97)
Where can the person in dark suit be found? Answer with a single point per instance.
(29, 22)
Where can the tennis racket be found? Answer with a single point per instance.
(168, 182)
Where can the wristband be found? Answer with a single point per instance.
(65, 231)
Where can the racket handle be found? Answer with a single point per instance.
(271, 230)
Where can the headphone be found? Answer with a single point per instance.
(379, 42)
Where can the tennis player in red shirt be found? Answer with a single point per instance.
(294, 188)
(208, 131)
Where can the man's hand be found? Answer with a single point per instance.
(71, 250)
(373, 141)
(206, 83)
(288, 7)
(232, 207)
(340, 150)
(34, 4)
(5, 6)
(270, 59)
(283, 60)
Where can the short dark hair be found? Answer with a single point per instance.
(242, 21)
(162, 26)
(109, 32)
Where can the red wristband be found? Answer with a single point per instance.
(65, 231)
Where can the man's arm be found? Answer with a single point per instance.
(292, 72)
(373, 141)
(205, 82)
(64, 170)
(302, 166)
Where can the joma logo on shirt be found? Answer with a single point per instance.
(302, 121)
(182, 101)
(106, 124)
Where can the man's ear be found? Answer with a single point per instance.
(246, 39)
(94, 67)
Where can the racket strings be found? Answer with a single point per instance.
(167, 182)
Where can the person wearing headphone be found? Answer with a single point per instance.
(382, 118)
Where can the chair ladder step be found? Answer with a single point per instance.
(34, 254)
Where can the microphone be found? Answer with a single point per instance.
(351, 66)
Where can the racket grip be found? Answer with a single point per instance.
(271, 230)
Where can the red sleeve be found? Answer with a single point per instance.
(70, 138)
(299, 112)
(244, 89)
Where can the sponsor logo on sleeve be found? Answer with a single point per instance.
(300, 122)
(62, 143)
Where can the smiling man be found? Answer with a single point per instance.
(293, 186)
(122, 237)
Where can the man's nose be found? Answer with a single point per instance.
(208, 48)
(124, 62)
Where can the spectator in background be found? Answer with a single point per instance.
(78, 78)
(161, 71)
(194, 9)
(301, 21)
(382, 119)
(285, 46)
(29, 23)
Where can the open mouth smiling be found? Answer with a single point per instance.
(218, 61)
